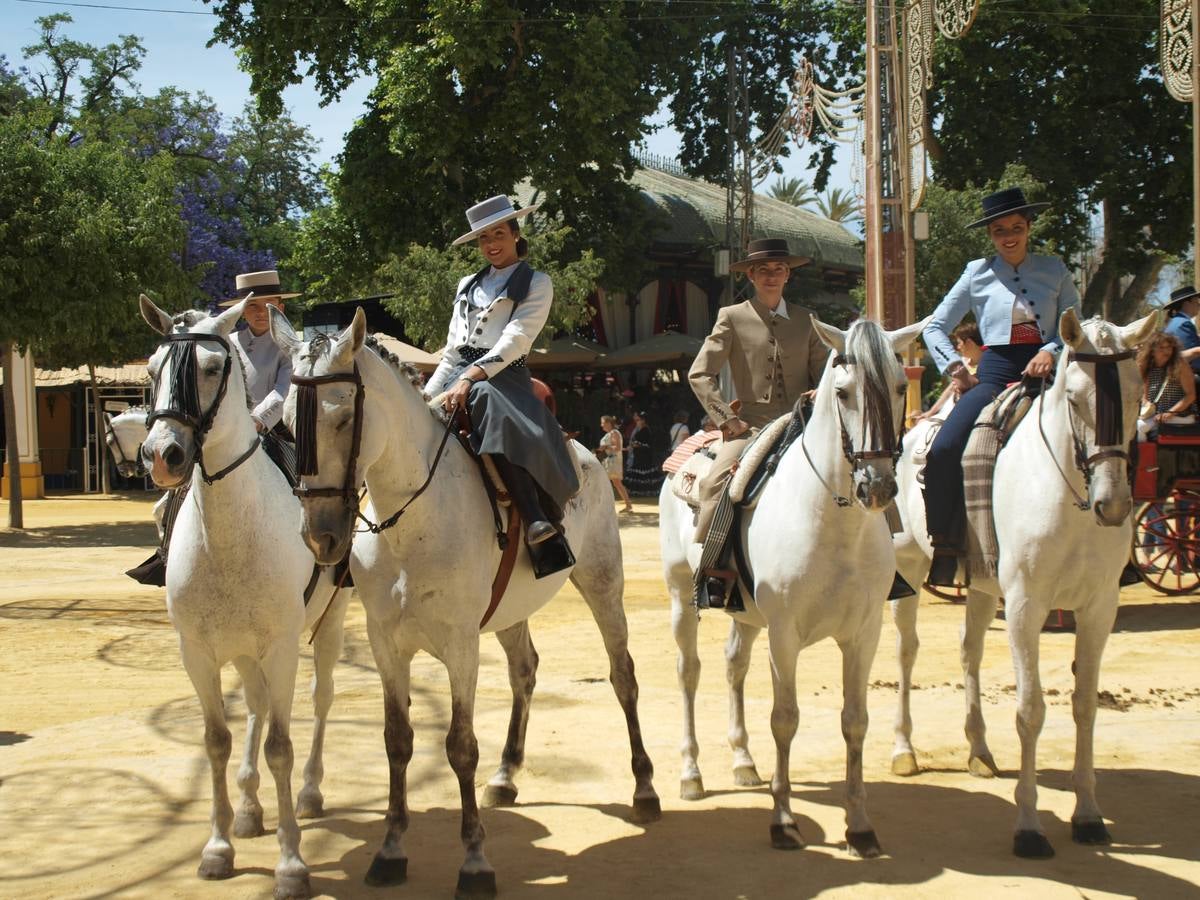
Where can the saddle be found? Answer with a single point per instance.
(995, 425)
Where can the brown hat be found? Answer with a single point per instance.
(768, 250)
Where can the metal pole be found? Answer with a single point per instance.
(873, 222)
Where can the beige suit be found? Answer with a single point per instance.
(773, 361)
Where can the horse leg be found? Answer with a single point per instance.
(602, 585)
(857, 656)
(248, 822)
(1092, 628)
(904, 614)
(390, 865)
(216, 860)
(785, 718)
(737, 664)
(980, 613)
(1024, 632)
(327, 649)
(279, 666)
(476, 878)
(684, 625)
(522, 677)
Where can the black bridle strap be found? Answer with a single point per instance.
(376, 528)
(306, 427)
(211, 479)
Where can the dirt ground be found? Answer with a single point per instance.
(104, 786)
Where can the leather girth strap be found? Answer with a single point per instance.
(508, 561)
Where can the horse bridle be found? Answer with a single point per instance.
(200, 423)
(1083, 462)
(852, 456)
(306, 447)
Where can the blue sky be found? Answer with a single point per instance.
(176, 55)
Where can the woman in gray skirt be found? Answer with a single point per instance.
(498, 313)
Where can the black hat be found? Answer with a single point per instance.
(768, 250)
(1005, 203)
(1187, 292)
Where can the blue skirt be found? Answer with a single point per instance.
(508, 419)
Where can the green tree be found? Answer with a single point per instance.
(424, 280)
(839, 205)
(83, 229)
(794, 191)
(1072, 91)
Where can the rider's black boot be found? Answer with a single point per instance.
(523, 492)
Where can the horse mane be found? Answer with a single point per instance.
(407, 371)
(868, 348)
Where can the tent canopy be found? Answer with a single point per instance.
(567, 353)
(407, 353)
(668, 348)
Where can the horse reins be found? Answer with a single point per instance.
(306, 447)
(185, 399)
(852, 456)
(1108, 419)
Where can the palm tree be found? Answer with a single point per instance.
(795, 191)
(839, 206)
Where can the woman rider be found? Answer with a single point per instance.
(498, 313)
(1017, 298)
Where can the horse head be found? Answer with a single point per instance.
(1100, 387)
(866, 385)
(191, 371)
(124, 434)
(324, 409)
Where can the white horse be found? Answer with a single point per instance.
(822, 565)
(236, 579)
(426, 582)
(124, 435)
(1064, 551)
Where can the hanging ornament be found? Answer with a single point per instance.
(954, 17)
(1175, 48)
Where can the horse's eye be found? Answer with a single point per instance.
(843, 394)
(212, 370)
(341, 425)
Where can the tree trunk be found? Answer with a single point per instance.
(1100, 288)
(1134, 296)
(16, 518)
(101, 449)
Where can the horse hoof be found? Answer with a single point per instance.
(1032, 845)
(746, 776)
(905, 764)
(475, 885)
(786, 837)
(387, 872)
(646, 809)
(691, 788)
(1090, 832)
(310, 805)
(215, 868)
(248, 825)
(498, 795)
(292, 887)
(983, 766)
(863, 844)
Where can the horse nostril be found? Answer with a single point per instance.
(173, 456)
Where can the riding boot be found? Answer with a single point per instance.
(944, 568)
(523, 491)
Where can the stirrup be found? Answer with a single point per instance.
(943, 570)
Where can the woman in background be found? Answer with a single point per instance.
(612, 458)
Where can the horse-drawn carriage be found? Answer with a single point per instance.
(1166, 489)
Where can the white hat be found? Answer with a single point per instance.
(491, 211)
(263, 285)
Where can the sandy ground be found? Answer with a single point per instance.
(104, 787)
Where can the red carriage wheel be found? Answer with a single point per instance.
(1166, 543)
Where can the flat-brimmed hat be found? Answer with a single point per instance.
(1005, 203)
(768, 250)
(491, 211)
(263, 285)
(1187, 292)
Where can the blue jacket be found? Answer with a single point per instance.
(988, 288)
(1181, 327)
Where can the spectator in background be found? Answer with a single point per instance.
(679, 431)
(611, 457)
(643, 475)
(969, 346)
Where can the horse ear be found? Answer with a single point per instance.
(225, 322)
(830, 335)
(155, 317)
(282, 332)
(1069, 328)
(902, 337)
(1135, 333)
(358, 329)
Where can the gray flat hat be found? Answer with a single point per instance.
(491, 211)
